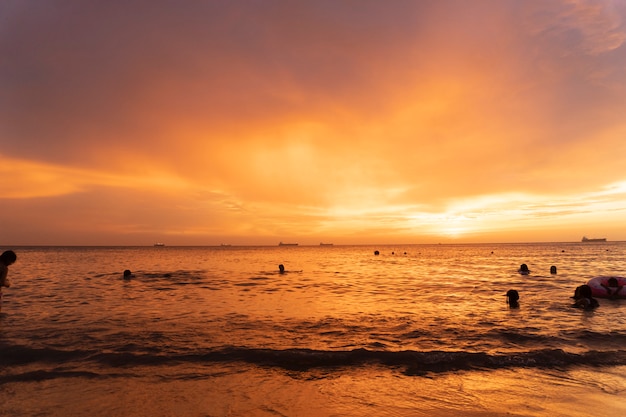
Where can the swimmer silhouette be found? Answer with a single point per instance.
(512, 298)
(281, 269)
(584, 299)
(612, 287)
(128, 274)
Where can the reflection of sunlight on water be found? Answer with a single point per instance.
(441, 301)
(445, 295)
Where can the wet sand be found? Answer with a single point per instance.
(256, 392)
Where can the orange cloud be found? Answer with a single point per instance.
(423, 119)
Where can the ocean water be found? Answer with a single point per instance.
(418, 330)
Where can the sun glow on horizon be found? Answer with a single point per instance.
(415, 123)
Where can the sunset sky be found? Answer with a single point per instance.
(352, 122)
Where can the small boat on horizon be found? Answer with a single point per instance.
(326, 244)
(598, 239)
(159, 244)
(287, 244)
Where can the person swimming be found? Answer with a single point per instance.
(584, 299)
(523, 269)
(612, 287)
(281, 269)
(512, 298)
(128, 275)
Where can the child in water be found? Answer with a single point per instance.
(7, 258)
(612, 287)
(584, 299)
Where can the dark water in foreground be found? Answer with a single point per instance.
(217, 331)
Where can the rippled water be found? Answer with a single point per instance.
(339, 316)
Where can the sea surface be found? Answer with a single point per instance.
(418, 330)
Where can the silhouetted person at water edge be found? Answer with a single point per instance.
(6, 259)
(584, 299)
(612, 287)
(523, 269)
(512, 298)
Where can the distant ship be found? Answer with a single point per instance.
(287, 244)
(599, 239)
(159, 244)
(326, 244)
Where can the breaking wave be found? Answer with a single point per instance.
(410, 362)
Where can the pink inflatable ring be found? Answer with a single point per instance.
(608, 287)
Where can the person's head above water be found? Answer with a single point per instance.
(584, 298)
(512, 298)
(281, 268)
(8, 257)
(512, 295)
(584, 291)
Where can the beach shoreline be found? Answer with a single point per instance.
(210, 332)
(241, 390)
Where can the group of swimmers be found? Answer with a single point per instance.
(523, 269)
(583, 296)
(128, 275)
